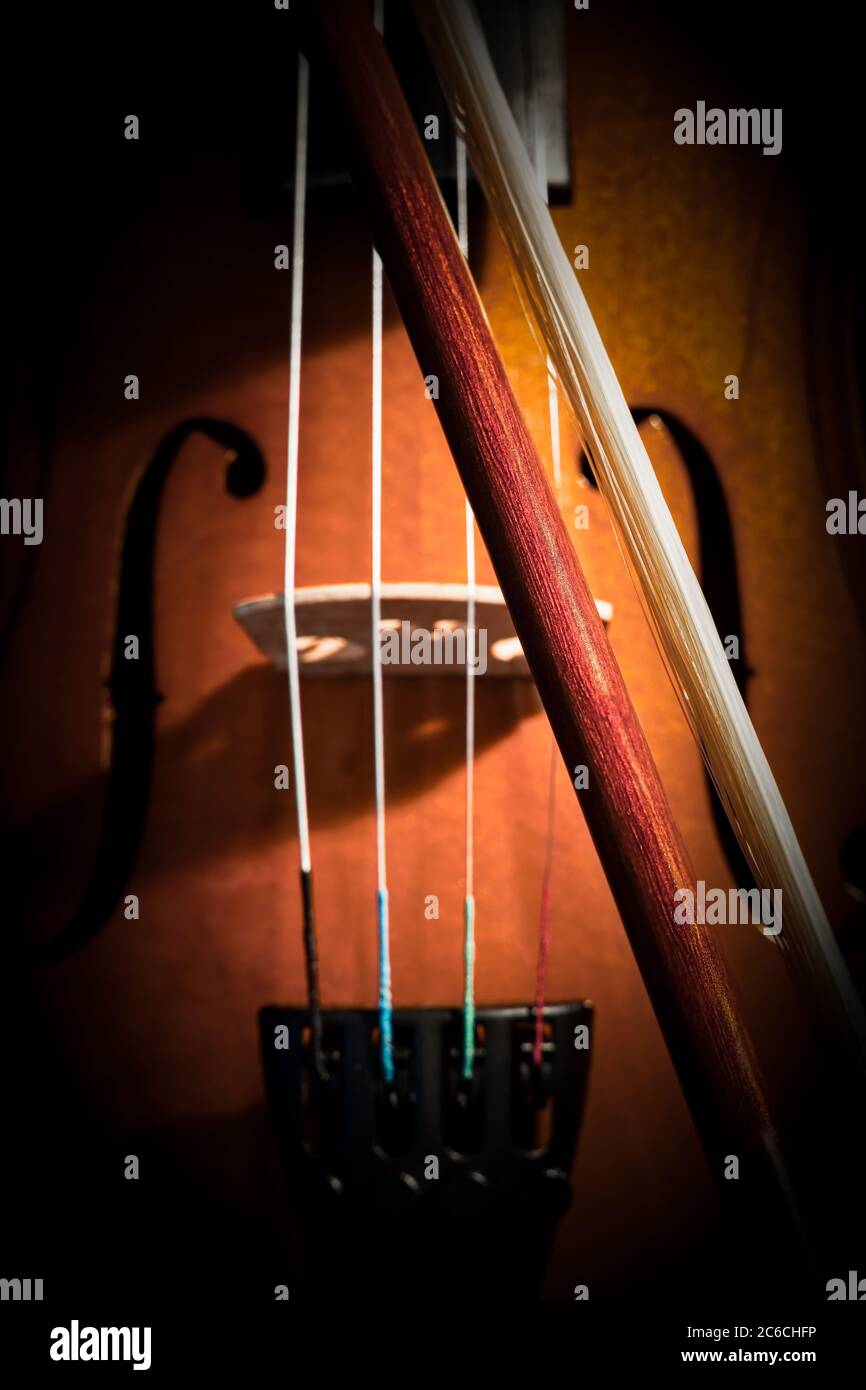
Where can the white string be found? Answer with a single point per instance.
(553, 412)
(376, 575)
(384, 938)
(300, 780)
(471, 646)
(463, 238)
(539, 152)
(469, 892)
(462, 197)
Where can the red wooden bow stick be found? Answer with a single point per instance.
(553, 611)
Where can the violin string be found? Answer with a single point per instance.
(297, 734)
(547, 874)
(544, 911)
(386, 1015)
(539, 154)
(469, 894)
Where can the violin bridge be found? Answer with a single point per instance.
(423, 630)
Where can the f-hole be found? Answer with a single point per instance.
(719, 577)
(132, 684)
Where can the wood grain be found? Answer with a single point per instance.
(554, 615)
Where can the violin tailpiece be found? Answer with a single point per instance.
(433, 1163)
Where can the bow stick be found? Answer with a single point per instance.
(553, 612)
(677, 609)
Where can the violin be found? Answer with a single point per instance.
(183, 999)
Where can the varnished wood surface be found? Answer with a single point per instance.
(697, 265)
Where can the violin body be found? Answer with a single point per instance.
(699, 261)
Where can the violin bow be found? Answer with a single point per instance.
(554, 614)
(673, 599)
